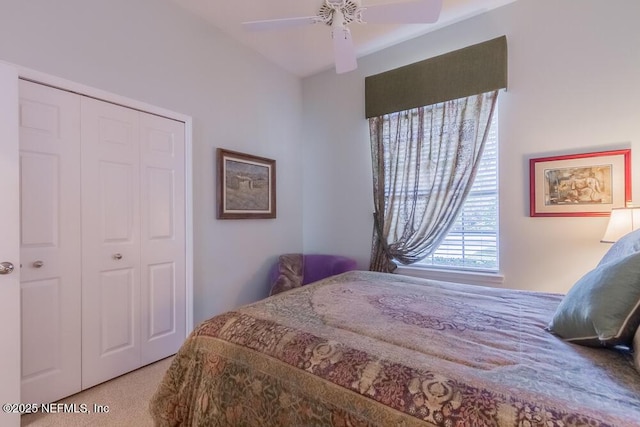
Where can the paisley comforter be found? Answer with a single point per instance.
(373, 349)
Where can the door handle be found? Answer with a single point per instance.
(6, 268)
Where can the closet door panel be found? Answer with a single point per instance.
(117, 288)
(161, 292)
(50, 242)
(163, 236)
(111, 241)
(117, 201)
(39, 175)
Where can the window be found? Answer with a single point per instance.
(472, 242)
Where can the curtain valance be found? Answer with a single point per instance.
(469, 71)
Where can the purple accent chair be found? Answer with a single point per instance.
(317, 267)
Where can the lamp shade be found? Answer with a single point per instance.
(621, 222)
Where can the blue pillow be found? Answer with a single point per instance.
(603, 307)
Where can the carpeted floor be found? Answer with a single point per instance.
(126, 397)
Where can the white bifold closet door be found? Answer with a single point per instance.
(50, 242)
(110, 241)
(163, 237)
(103, 245)
(133, 241)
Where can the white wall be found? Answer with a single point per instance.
(573, 87)
(153, 51)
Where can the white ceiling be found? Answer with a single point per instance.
(307, 50)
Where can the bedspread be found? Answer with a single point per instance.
(364, 349)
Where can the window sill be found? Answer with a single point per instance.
(456, 276)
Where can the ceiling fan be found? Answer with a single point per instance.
(338, 14)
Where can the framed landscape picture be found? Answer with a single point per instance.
(587, 184)
(246, 186)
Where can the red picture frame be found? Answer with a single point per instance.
(585, 184)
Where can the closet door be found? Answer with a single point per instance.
(110, 240)
(50, 242)
(162, 237)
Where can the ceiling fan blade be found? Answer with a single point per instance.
(276, 24)
(412, 12)
(343, 50)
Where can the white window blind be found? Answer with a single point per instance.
(472, 242)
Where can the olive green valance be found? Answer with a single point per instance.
(469, 71)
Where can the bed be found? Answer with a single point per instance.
(375, 349)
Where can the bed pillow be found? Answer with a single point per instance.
(603, 307)
(625, 246)
(290, 268)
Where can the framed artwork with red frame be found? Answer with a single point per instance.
(586, 184)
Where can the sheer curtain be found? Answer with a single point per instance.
(424, 163)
